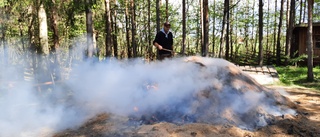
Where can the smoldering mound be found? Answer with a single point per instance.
(180, 91)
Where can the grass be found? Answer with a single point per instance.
(297, 76)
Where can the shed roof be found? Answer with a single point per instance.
(304, 25)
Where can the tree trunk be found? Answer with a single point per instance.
(205, 29)
(292, 12)
(183, 26)
(31, 35)
(3, 38)
(279, 34)
(246, 33)
(115, 29)
(200, 27)
(43, 63)
(253, 37)
(158, 14)
(133, 28)
(158, 19)
(89, 28)
(43, 30)
(275, 30)
(56, 40)
(310, 76)
(21, 36)
(304, 10)
(167, 6)
(108, 28)
(255, 40)
(4, 44)
(300, 15)
(129, 49)
(260, 32)
(149, 30)
(231, 12)
(225, 12)
(187, 39)
(213, 27)
(227, 32)
(54, 26)
(268, 46)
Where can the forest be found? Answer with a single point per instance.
(243, 32)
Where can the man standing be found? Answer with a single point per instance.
(164, 41)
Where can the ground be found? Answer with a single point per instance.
(306, 122)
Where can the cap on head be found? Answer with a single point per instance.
(166, 24)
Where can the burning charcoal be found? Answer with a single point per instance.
(193, 134)
(155, 129)
(271, 121)
(302, 113)
(290, 130)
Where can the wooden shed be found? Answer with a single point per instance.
(299, 41)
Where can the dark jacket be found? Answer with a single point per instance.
(165, 41)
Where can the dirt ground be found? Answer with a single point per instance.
(306, 122)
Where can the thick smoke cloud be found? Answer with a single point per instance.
(118, 87)
(126, 88)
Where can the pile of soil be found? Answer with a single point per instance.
(233, 105)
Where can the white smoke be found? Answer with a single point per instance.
(118, 86)
(131, 87)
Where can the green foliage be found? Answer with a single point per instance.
(294, 61)
(78, 28)
(316, 11)
(71, 23)
(298, 76)
(2, 3)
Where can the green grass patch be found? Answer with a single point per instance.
(297, 76)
